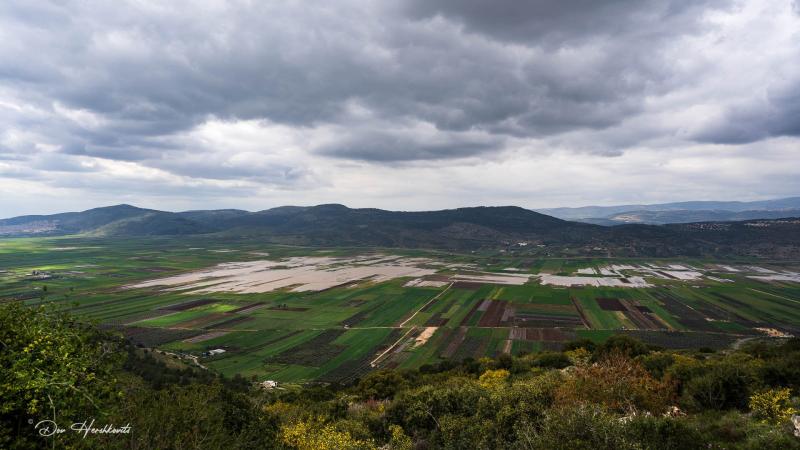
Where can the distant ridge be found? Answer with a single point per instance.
(680, 212)
(502, 227)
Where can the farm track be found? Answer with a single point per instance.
(375, 361)
(426, 304)
(581, 313)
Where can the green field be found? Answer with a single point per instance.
(339, 333)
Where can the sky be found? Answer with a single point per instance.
(404, 105)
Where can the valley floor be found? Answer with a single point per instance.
(294, 314)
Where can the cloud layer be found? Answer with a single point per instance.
(413, 104)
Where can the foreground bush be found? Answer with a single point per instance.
(618, 395)
(617, 383)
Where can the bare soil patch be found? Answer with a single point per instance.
(494, 315)
(610, 304)
(205, 337)
(470, 286)
(455, 342)
(424, 336)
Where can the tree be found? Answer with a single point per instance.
(622, 344)
(381, 384)
(724, 385)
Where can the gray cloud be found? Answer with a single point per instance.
(155, 71)
(778, 114)
(387, 146)
(157, 89)
(566, 22)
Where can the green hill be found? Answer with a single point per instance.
(464, 229)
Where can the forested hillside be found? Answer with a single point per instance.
(506, 227)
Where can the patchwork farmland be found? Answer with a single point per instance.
(297, 314)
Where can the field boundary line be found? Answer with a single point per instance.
(775, 295)
(579, 308)
(374, 361)
(427, 303)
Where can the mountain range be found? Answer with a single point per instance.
(507, 228)
(681, 212)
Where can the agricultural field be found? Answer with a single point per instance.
(296, 314)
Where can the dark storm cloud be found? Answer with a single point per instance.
(152, 71)
(407, 146)
(566, 22)
(776, 115)
(281, 95)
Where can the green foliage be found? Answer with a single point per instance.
(315, 434)
(665, 433)
(551, 360)
(193, 416)
(494, 379)
(579, 357)
(399, 439)
(622, 344)
(587, 344)
(381, 384)
(722, 385)
(618, 384)
(657, 363)
(772, 405)
(619, 396)
(581, 426)
(52, 367)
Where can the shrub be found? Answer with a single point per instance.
(399, 439)
(724, 386)
(657, 363)
(552, 360)
(316, 435)
(381, 384)
(622, 344)
(580, 343)
(52, 366)
(492, 379)
(664, 433)
(772, 406)
(579, 357)
(618, 384)
(580, 426)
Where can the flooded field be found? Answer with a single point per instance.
(298, 274)
(789, 276)
(559, 280)
(494, 278)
